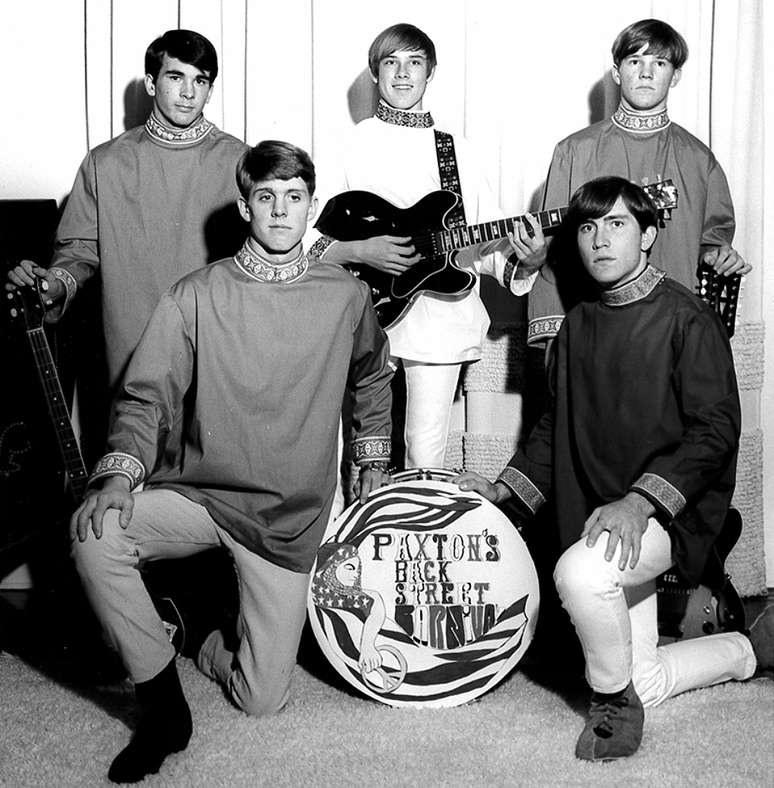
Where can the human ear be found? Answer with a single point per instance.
(648, 238)
(244, 209)
(431, 74)
(150, 85)
(676, 77)
(616, 75)
(310, 214)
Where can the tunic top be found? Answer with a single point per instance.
(233, 398)
(703, 219)
(644, 397)
(399, 163)
(145, 211)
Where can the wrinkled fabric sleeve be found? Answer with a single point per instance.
(719, 222)
(76, 249)
(370, 376)
(705, 383)
(150, 403)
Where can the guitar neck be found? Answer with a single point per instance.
(60, 416)
(473, 234)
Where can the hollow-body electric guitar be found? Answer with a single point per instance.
(358, 215)
(25, 305)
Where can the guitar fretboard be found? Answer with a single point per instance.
(60, 416)
(473, 234)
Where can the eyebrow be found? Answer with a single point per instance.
(179, 73)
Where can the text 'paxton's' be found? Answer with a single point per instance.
(438, 600)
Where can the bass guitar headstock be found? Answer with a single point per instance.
(664, 197)
(25, 305)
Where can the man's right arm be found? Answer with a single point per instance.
(76, 250)
(389, 254)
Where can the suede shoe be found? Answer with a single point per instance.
(762, 638)
(614, 729)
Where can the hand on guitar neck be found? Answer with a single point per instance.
(25, 275)
(390, 254)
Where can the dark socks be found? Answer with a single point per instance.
(164, 727)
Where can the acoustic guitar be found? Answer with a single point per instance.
(358, 215)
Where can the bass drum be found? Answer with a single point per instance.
(425, 595)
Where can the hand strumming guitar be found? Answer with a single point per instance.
(24, 275)
(389, 254)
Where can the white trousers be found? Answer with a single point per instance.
(615, 616)
(430, 390)
(272, 600)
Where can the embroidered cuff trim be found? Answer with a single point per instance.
(544, 328)
(670, 498)
(522, 487)
(70, 285)
(321, 246)
(117, 463)
(365, 450)
(508, 272)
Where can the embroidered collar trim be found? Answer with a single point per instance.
(264, 271)
(640, 123)
(194, 133)
(635, 290)
(403, 117)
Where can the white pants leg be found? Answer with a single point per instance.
(615, 616)
(430, 390)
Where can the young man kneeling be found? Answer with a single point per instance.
(229, 414)
(639, 442)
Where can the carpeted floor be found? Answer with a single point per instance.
(55, 732)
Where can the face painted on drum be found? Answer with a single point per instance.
(347, 571)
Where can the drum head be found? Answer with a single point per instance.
(423, 596)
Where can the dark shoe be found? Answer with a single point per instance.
(762, 638)
(614, 729)
(164, 727)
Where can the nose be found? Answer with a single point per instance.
(600, 239)
(187, 88)
(402, 71)
(646, 70)
(278, 207)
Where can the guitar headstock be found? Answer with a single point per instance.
(664, 197)
(25, 305)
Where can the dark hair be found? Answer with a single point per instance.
(399, 37)
(274, 159)
(185, 45)
(595, 198)
(662, 40)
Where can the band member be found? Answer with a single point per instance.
(229, 415)
(393, 154)
(640, 143)
(147, 207)
(638, 450)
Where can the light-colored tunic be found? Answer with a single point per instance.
(144, 212)
(703, 219)
(233, 398)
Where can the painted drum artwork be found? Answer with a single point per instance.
(425, 595)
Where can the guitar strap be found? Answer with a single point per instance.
(450, 176)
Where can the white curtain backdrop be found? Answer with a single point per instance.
(514, 77)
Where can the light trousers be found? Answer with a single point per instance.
(430, 390)
(166, 524)
(615, 615)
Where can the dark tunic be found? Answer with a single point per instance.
(644, 397)
(233, 398)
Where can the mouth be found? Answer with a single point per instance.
(403, 86)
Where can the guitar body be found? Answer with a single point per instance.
(714, 606)
(358, 215)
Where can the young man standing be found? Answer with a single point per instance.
(229, 415)
(642, 144)
(147, 207)
(644, 488)
(394, 155)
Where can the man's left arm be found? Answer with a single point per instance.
(705, 383)
(370, 376)
(719, 226)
